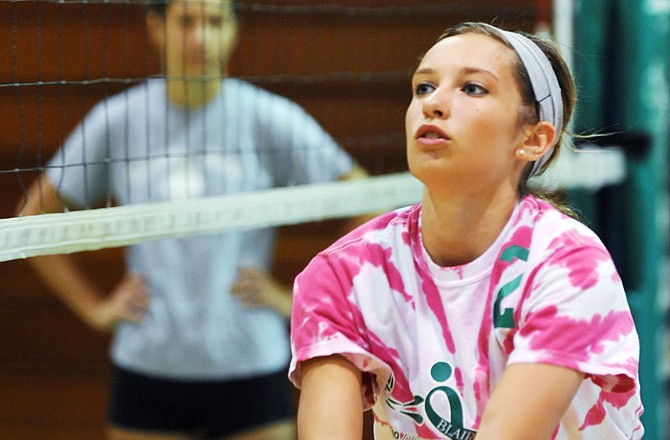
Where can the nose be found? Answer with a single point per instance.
(435, 105)
(199, 34)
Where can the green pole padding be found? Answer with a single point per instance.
(622, 65)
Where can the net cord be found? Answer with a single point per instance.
(86, 230)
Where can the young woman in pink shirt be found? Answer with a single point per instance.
(484, 310)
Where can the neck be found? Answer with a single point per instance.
(192, 92)
(456, 231)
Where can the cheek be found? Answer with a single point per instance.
(227, 44)
(175, 42)
(410, 128)
(221, 48)
(413, 118)
(499, 127)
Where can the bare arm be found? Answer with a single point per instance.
(128, 301)
(257, 288)
(330, 407)
(357, 173)
(529, 402)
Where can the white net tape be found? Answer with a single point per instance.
(75, 231)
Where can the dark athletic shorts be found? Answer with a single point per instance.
(211, 409)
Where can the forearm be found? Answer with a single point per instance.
(258, 288)
(64, 278)
(282, 300)
(512, 414)
(59, 272)
(351, 223)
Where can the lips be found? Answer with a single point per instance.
(431, 133)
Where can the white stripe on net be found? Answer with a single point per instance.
(60, 233)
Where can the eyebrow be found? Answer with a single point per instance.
(479, 70)
(464, 70)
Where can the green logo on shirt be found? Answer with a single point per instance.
(452, 428)
(505, 319)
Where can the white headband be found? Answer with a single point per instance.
(545, 85)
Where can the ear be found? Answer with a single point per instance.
(156, 30)
(537, 139)
(235, 38)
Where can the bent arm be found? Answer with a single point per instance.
(357, 172)
(330, 407)
(69, 282)
(529, 402)
(258, 288)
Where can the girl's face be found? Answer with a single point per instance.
(196, 37)
(463, 123)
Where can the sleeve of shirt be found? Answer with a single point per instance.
(325, 322)
(303, 152)
(78, 170)
(576, 315)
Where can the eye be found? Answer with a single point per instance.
(216, 22)
(186, 21)
(423, 88)
(474, 89)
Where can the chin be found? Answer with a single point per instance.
(423, 171)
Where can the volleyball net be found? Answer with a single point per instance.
(346, 63)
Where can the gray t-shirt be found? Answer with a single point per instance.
(136, 148)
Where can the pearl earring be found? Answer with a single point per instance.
(522, 152)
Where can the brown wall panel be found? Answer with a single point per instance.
(52, 41)
(53, 369)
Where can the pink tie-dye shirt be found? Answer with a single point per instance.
(434, 341)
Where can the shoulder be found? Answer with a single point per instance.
(563, 250)
(550, 241)
(388, 230)
(551, 228)
(380, 243)
(133, 99)
(252, 94)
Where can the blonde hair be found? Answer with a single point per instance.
(529, 114)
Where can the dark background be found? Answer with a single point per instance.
(54, 369)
